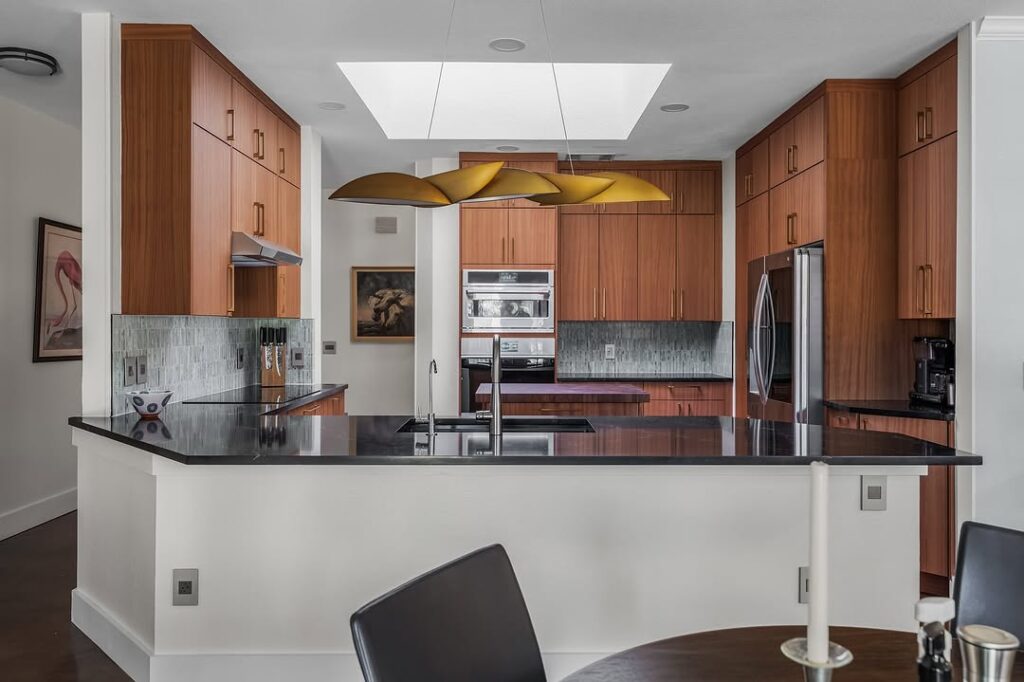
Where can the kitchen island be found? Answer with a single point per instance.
(599, 399)
(642, 528)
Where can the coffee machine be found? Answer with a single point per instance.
(933, 371)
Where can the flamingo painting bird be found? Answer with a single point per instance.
(67, 266)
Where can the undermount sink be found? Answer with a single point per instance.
(509, 425)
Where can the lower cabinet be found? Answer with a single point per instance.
(688, 399)
(582, 409)
(332, 406)
(938, 493)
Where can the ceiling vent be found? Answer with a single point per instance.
(591, 157)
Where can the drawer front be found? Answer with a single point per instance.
(311, 410)
(842, 420)
(670, 390)
(686, 408)
(561, 409)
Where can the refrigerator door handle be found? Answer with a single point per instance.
(801, 339)
(769, 374)
(759, 326)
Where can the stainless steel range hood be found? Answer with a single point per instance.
(254, 252)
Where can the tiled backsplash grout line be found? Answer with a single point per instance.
(195, 356)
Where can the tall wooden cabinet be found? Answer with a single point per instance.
(597, 274)
(204, 152)
(927, 187)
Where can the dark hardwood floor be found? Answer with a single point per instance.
(37, 639)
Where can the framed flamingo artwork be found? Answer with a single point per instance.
(58, 328)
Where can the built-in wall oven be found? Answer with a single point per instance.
(523, 361)
(508, 301)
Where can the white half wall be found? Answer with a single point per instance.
(40, 177)
(437, 280)
(379, 375)
(997, 335)
(312, 240)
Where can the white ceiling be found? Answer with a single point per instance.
(737, 63)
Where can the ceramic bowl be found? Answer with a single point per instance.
(149, 404)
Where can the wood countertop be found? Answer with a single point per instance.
(602, 392)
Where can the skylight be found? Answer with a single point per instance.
(504, 100)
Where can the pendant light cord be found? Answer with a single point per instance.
(558, 94)
(440, 74)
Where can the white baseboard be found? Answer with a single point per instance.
(140, 664)
(30, 515)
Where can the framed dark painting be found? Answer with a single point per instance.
(383, 303)
(58, 318)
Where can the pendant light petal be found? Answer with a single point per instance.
(624, 188)
(572, 189)
(465, 182)
(514, 183)
(392, 189)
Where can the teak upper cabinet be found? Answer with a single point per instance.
(798, 144)
(690, 192)
(798, 211)
(927, 106)
(752, 173)
(678, 268)
(191, 173)
(597, 268)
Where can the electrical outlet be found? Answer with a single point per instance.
(130, 370)
(141, 370)
(872, 493)
(330, 347)
(609, 351)
(185, 587)
(240, 357)
(804, 585)
(298, 357)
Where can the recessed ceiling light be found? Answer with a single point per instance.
(507, 44)
(473, 99)
(507, 148)
(332, 106)
(675, 107)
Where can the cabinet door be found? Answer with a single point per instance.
(266, 123)
(911, 101)
(798, 210)
(484, 236)
(578, 267)
(697, 268)
(912, 234)
(703, 408)
(211, 95)
(618, 266)
(665, 180)
(809, 136)
(244, 205)
(752, 173)
(532, 235)
(927, 107)
(211, 275)
(696, 192)
(289, 232)
(656, 267)
(780, 146)
(245, 134)
(265, 193)
(754, 218)
(288, 153)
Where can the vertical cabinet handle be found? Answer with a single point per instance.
(604, 303)
(263, 146)
(682, 298)
(256, 218)
(595, 303)
(503, 251)
(513, 258)
(928, 292)
(231, 288)
(281, 295)
(795, 167)
(920, 126)
(263, 219)
(231, 125)
(919, 294)
(256, 143)
(791, 228)
(672, 312)
(927, 123)
(679, 409)
(281, 153)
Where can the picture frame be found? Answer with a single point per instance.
(57, 334)
(383, 305)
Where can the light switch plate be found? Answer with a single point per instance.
(141, 370)
(185, 587)
(240, 357)
(803, 589)
(130, 369)
(872, 493)
(609, 351)
(298, 357)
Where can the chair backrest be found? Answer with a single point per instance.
(465, 621)
(990, 578)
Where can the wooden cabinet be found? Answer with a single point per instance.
(578, 273)
(183, 187)
(266, 125)
(483, 235)
(688, 399)
(698, 268)
(289, 153)
(532, 235)
(927, 107)
(211, 95)
(657, 290)
(513, 236)
(697, 192)
(618, 267)
(752, 175)
(841, 420)
(753, 221)
(332, 406)
(927, 232)
(665, 180)
(289, 277)
(798, 211)
(798, 144)
(691, 192)
(567, 409)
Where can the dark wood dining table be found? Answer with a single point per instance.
(750, 654)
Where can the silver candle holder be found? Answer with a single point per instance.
(816, 671)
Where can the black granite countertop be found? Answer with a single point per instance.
(893, 408)
(703, 378)
(275, 398)
(244, 434)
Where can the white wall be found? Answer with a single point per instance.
(997, 352)
(380, 375)
(40, 177)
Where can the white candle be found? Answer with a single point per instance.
(817, 620)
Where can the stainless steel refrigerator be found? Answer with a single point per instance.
(785, 338)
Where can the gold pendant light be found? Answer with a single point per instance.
(513, 183)
(572, 189)
(463, 183)
(392, 189)
(625, 188)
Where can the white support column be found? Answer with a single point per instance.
(312, 208)
(99, 265)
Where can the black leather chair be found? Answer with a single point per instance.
(990, 578)
(465, 621)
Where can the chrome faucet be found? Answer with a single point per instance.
(494, 414)
(431, 371)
